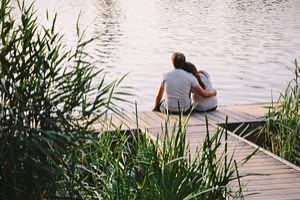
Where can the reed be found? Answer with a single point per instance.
(48, 149)
(282, 129)
(128, 165)
(48, 103)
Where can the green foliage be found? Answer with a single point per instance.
(282, 130)
(128, 165)
(47, 104)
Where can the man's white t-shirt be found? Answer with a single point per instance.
(201, 103)
(178, 84)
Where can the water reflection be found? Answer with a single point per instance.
(246, 45)
(108, 30)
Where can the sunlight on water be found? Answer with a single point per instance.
(248, 47)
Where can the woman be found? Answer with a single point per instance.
(202, 104)
(176, 87)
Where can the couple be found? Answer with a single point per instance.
(178, 85)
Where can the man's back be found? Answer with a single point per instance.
(178, 84)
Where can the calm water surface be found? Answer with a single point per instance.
(248, 46)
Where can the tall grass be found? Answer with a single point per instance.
(282, 129)
(42, 88)
(47, 148)
(127, 165)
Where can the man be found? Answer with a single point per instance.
(176, 86)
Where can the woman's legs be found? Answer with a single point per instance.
(163, 108)
(208, 110)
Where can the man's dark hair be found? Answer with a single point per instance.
(178, 60)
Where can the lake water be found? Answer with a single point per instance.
(247, 46)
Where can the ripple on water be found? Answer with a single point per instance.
(247, 46)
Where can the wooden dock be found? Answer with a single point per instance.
(279, 179)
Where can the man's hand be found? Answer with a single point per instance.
(214, 92)
(204, 93)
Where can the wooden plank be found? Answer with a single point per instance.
(154, 118)
(271, 186)
(127, 120)
(274, 197)
(137, 121)
(115, 120)
(191, 120)
(231, 115)
(151, 118)
(222, 117)
(267, 182)
(146, 121)
(200, 118)
(281, 168)
(256, 110)
(277, 179)
(167, 118)
(268, 194)
(266, 162)
(272, 177)
(241, 115)
(113, 123)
